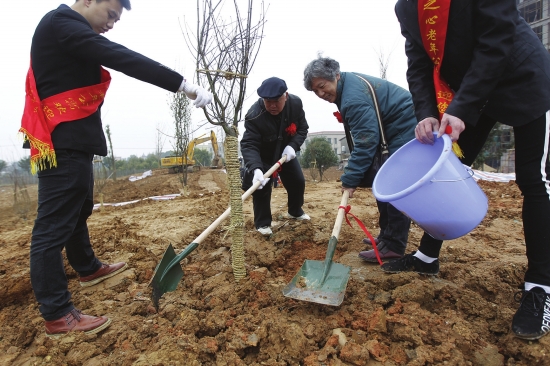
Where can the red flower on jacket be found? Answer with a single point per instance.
(291, 130)
(338, 116)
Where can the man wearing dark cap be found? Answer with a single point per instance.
(275, 126)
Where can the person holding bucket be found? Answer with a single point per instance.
(357, 110)
(494, 68)
(274, 126)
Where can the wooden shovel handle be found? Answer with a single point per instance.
(335, 232)
(245, 195)
(341, 214)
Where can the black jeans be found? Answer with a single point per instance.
(394, 227)
(532, 177)
(293, 181)
(65, 201)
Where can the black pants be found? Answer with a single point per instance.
(394, 227)
(532, 177)
(65, 201)
(293, 181)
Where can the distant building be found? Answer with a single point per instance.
(337, 139)
(344, 153)
(536, 13)
(498, 152)
(508, 161)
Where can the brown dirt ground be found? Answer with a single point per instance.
(461, 317)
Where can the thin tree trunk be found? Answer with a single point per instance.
(237, 221)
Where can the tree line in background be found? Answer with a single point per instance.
(21, 166)
(131, 164)
(151, 161)
(12, 174)
(496, 155)
(317, 155)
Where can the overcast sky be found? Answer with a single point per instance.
(350, 31)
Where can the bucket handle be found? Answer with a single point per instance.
(468, 169)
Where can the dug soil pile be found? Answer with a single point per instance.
(460, 317)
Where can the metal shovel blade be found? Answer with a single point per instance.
(306, 285)
(323, 282)
(168, 272)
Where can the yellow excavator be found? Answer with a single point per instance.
(175, 163)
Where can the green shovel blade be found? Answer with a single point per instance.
(308, 284)
(168, 272)
(323, 282)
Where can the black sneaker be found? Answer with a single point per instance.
(410, 263)
(532, 320)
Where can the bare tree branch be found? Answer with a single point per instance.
(225, 48)
(179, 105)
(383, 62)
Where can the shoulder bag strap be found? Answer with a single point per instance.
(383, 144)
(349, 139)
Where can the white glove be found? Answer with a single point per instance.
(259, 177)
(289, 152)
(201, 96)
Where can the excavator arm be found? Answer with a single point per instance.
(191, 148)
(216, 159)
(174, 163)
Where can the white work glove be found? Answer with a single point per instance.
(289, 152)
(259, 177)
(201, 96)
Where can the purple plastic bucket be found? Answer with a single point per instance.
(429, 184)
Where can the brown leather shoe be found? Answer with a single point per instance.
(75, 321)
(106, 271)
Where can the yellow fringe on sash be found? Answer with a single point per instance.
(457, 150)
(45, 159)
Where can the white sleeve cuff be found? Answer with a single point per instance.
(182, 85)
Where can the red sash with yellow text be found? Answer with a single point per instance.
(40, 117)
(433, 17)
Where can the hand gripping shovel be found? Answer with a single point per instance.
(322, 282)
(168, 272)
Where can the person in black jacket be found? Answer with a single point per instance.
(498, 70)
(275, 126)
(67, 53)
